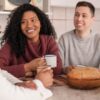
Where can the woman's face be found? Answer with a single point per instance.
(30, 26)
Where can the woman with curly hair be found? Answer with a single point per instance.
(28, 37)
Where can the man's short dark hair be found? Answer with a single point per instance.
(87, 4)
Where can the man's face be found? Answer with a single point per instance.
(83, 18)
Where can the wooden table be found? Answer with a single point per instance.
(65, 92)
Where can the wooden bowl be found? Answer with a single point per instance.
(84, 78)
(83, 83)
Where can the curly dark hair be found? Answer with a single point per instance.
(13, 33)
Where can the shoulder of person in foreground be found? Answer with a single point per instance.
(18, 92)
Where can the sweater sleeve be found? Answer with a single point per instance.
(5, 56)
(13, 92)
(65, 42)
(61, 48)
(53, 49)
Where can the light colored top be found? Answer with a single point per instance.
(80, 51)
(9, 91)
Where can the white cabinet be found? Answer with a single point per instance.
(3, 21)
(72, 3)
(4, 12)
(49, 4)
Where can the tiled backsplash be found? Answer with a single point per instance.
(3, 22)
(62, 19)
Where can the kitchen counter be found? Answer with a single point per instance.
(67, 93)
(61, 91)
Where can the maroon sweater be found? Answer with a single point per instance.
(15, 66)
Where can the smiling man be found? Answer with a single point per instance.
(81, 46)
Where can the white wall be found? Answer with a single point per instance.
(3, 22)
(62, 19)
(72, 3)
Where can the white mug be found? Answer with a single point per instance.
(51, 60)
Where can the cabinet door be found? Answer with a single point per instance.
(72, 3)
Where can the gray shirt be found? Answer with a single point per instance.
(78, 51)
